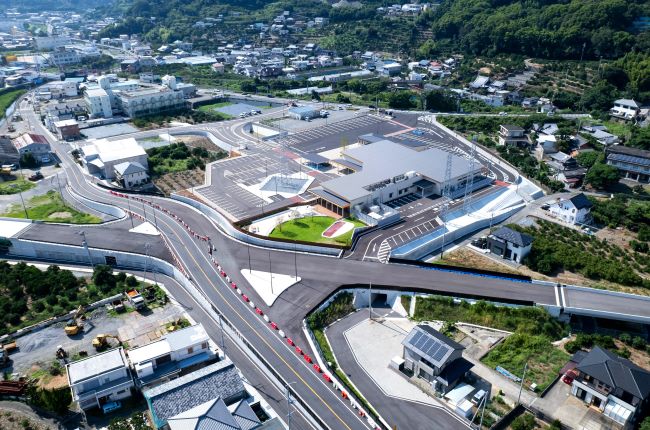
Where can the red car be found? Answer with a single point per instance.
(569, 377)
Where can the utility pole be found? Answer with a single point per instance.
(370, 300)
(521, 385)
(128, 203)
(248, 248)
(295, 258)
(21, 199)
(147, 247)
(271, 272)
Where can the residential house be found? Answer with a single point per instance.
(575, 210)
(67, 129)
(131, 174)
(632, 163)
(513, 135)
(214, 414)
(509, 244)
(172, 354)
(625, 109)
(31, 143)
(599, 132)
(217, 381)
(613, 385)
(479, 82)
(101, 157)
(99, 379)
(434, 357)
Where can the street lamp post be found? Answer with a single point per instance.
(289, 403)
(271, 272)
(521, 384)
(21, 199)
(84, 243)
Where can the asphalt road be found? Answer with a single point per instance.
(321, 276)
(399, 412)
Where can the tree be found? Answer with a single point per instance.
(645, 424)
(589, 158)
(400, 100)
(599, 97)
(315, 96)
(103, 277)
(601, 176)
(523, 422)
(28, 160)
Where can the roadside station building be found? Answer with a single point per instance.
(385, 170)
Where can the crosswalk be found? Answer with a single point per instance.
(328, 130)
(383, 255)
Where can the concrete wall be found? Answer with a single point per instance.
(99, 207)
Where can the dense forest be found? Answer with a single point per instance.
(557, 29)
(541, 28)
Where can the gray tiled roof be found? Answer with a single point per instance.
(513, 236)
(617, 372)
(217, 380)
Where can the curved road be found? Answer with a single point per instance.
(320, 277)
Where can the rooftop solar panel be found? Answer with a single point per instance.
(416, 337)
(441, 353)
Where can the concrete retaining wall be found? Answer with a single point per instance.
(227, 228)
(97, 206)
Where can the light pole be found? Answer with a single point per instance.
(289, 403)
(271, 272)
(147, 247)
(295, 259)
(248, 248)
(521, 385)
(84, 243)
(21, 199)
(370, 301)
(128, 202)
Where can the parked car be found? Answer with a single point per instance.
(568, 377)
(111, 406)
(36, 176)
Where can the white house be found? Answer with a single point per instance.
(131, 174)
(576, 210)
(171, 354)
(99, 379)
(102, 156)
(510, 244)
(626, 109)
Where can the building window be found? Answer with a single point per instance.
(190, 350)
(204, 345)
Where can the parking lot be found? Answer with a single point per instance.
(229, 177)
(325, 137)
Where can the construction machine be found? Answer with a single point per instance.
(74, 326)
(101, 340)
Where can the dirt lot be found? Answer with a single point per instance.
(179, 181)
(465, 257)
(35, 354)
(13, 420)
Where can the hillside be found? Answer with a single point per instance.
(551, 29)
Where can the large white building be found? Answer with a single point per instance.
(133, 98)
(63, 57)
(148, 101)
(51, 42)
(386, 170)
(98, 103)
(101, 157)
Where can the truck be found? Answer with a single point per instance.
(135, 298)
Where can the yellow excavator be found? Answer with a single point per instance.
(74, 326)
(101, 340)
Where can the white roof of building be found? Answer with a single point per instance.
(627, 103)
(114, 150)
(65, 123)
(129, 168)
(96, 92)
(386, 159)
(95, 365)
(174, 341)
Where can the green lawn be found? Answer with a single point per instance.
(310, 229)
(212, 109)
(16, 185)
(51, 207)
(7, 98)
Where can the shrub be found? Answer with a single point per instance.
(639, 343)
(523, 422)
